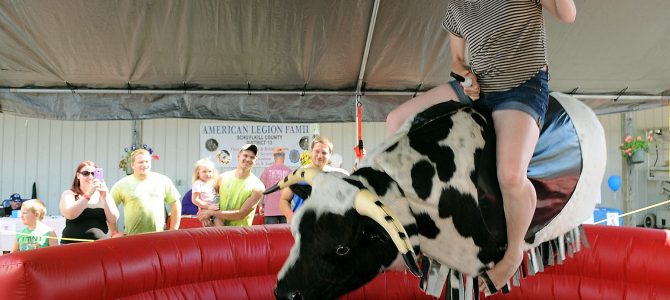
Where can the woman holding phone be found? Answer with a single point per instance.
(87, 206)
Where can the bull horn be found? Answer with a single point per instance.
(367, 204)
(298, 175)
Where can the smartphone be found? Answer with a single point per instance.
(466, 81)
(98, 174)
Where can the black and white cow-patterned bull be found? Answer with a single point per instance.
(432, 188)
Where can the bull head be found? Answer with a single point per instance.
(334, 246)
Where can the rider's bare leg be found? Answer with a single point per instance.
(397, 116)
(517, 134)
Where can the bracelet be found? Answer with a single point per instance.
(88, 198)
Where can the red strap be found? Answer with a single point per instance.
(359, 124)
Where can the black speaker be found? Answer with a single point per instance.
(650, 221)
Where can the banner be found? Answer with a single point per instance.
(222, 141)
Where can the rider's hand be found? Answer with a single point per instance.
(473, 90)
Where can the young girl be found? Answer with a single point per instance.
(36, 234)
(202, 190)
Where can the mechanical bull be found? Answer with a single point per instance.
(432, 189)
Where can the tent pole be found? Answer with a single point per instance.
(366, 52)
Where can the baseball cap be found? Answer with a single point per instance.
(250, 147)
(278, 150)
(16, 198)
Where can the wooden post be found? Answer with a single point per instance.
(629, 177)
(137, 133)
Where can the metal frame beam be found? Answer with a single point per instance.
(294, 92)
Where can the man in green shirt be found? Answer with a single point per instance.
(239, 191)
(143, 195)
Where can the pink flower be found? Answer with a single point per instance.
(628, 139)
(628, 150)
(155, 156)
(650, 138)
(639, 138)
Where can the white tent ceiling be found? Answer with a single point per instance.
(292, 60)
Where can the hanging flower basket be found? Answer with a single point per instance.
(637, 157)
(634, 149)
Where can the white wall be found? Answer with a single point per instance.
(177, 142)
(647, 192)
(47, 152)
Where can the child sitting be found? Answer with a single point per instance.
(36, 234)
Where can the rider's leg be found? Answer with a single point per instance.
(517, 134)
(397, 116)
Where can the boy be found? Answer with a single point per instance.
(36, 234)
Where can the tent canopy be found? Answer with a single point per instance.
(293, 60)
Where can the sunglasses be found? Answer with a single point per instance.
(86, 173)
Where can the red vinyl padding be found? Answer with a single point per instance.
(242, 263)
(202, 263)
(622, 263)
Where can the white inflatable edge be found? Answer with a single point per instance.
(594, 159)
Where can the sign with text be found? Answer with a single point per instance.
(221, 142)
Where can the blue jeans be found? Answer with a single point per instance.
(531, 97)
(275, 220)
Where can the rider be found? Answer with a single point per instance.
(507, 64)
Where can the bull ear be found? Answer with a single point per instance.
(367, 204)
(299, 175)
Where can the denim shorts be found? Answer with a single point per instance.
(531, 97)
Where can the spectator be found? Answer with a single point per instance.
(269, 177)
(189, 212)
(36, 234)
(187, 206)
(239, 191)
(87, 206)
(202, 190)
(143, 195)
(14, 203)
(322, 149)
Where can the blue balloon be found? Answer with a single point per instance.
(614, 182)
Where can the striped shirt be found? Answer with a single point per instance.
(505, 39)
